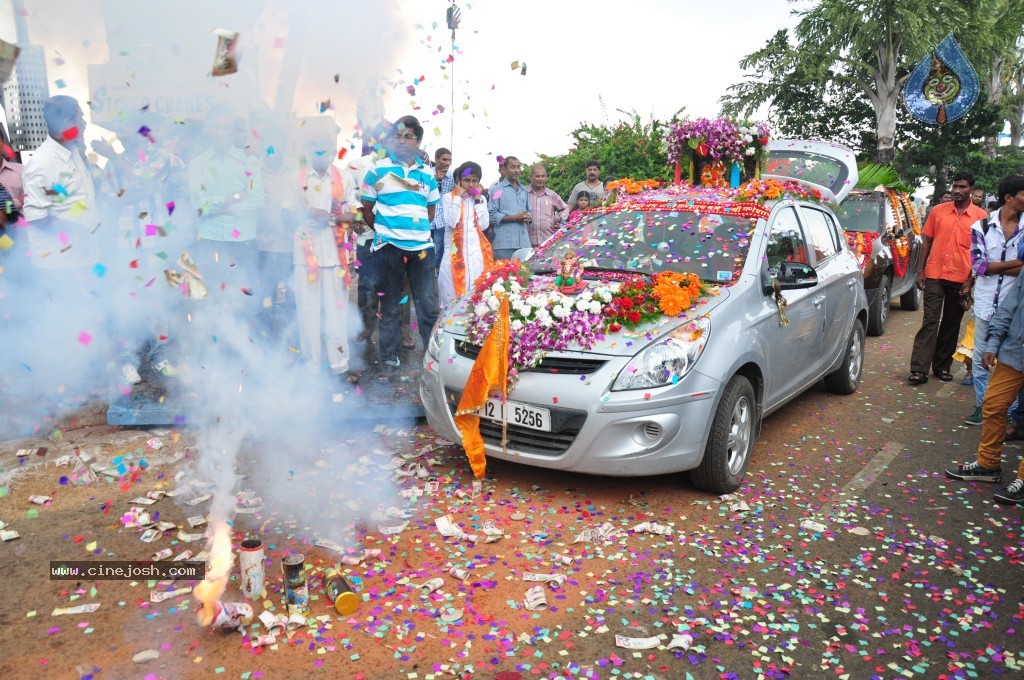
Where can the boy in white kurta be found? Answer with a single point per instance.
(323, 255)
(467, 252)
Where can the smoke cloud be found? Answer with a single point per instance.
(171, 294)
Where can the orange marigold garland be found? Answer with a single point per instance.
(900, 248)
(915, 217)
(631, 186)
(762, 190)
(860, 244)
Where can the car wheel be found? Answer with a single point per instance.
(727, 453)
(846, 378)
(878, 314)
(911, 300)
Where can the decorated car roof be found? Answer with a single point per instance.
(751, 199)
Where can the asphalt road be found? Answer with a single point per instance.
(845, 554)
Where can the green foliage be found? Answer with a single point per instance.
(927, 151)
(631, 148)
(987, 171)
(841, 70)
(872, 175)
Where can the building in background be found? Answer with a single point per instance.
(26, 90)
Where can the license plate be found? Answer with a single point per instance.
(519, 413)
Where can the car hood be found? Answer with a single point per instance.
(625, 342)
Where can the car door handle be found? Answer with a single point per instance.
(818, 300)
(851, 283)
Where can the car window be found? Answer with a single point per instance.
(786, 241)
(819, 229)
(809, 167)
(904, 222)
(862, 212)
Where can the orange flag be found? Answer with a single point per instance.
(489, 372)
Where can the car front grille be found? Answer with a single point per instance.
(565, 426)
(550, 364)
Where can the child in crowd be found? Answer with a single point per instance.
(583, 200)
(467, 252)
(964, 349)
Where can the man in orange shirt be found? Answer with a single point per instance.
(946, 281)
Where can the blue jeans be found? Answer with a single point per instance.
(977, 370)
(438, 236)
(275, 268)
(395, 264)
(368, 285)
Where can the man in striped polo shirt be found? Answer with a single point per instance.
(399, 197)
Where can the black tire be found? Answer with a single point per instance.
(731, 442)
(878, 312)
(846, 378)
(912, 299)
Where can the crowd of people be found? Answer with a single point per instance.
(266, 221)
(277, 231)
(972, 261)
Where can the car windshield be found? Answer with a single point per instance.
(714, 247)
(819, 169)
(861, 213)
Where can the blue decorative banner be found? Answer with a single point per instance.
(943, 86)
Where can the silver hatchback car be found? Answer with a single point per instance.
(788, 309)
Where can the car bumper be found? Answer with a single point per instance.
(594, 430)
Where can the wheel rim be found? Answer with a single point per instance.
(856, 356)
(741, 427)
(883, 311)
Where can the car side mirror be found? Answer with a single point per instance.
(523, 254)
(795, 276)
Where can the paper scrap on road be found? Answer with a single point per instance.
(80, 609)
(637, 643)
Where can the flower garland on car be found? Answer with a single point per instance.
(628, 185)
(900, 248)
(719, 143)
(542, 320)
(717, 138)
(762, 190)
(860, 244)
(912, 213)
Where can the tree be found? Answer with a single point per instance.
(631, 148)
(938, 151)
(996, 49)
(865, 44)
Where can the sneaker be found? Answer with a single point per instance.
(974, 418)
(1013, 494)
(972, 472)
(130, 375)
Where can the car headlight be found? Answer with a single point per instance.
(434, 342)
(668, 360)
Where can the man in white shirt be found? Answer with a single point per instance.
(60, 200)
(69, 320)
(323, 257)
(592, 185)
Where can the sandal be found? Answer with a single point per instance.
(968, 380)
(944, 376)
(353, 377)
(387, 374)
(917, 378)
(409, 343)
